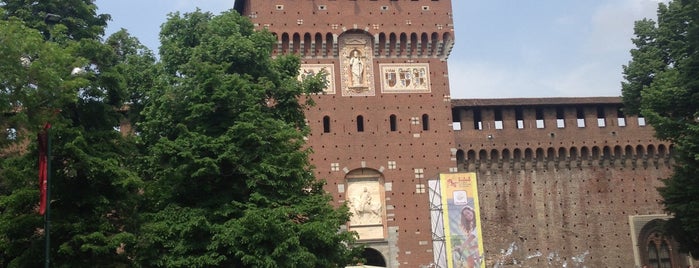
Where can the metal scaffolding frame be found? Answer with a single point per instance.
(437, 223)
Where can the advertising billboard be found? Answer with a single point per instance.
(462, 225)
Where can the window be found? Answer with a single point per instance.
(581, 116)
(326, 124)
(393, 123)
(539, 118)
(477, 120)
(659, 257)
(621, 118)
(360, 123)
(600, 117)
(456, 119)
(560, 118)
(425, 122)
(641, 121)
(519, 117)
(498, 119)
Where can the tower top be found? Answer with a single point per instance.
(338, 16)
(404, 28)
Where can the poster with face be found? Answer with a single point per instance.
(462, 225)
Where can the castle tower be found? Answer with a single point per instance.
(383, 127)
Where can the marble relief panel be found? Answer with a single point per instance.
(366, 203)
(356, 67)
(313, 69)
(405, 78)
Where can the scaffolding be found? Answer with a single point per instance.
(437, 220)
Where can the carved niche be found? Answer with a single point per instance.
(357, 69)
(365, 200)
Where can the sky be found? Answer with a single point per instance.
(504, 49)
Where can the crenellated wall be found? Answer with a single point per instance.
(563, 182)
(386, 45)
(560, 178)
(399, 28)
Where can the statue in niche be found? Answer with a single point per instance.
(356, 69)
(365, 210)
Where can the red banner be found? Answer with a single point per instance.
(43, 167)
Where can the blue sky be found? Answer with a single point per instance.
(504, 49)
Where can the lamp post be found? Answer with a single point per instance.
(44, 141)
(50, 20)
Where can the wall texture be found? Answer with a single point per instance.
(561, 180)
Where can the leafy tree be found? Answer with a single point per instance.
(94, 194)
(78, 16)
(230, 183)
(662, 84)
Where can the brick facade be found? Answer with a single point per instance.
(552, 192)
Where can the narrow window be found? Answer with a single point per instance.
(498, 119)
(326, 124)
(360, 123)
(539, 118)
(425, 122)
(560, 118)
(393, 123)
(653, 257)
(664, 255)
(600, 117)
(519, 118)
(477, 120)
(456, 119)
(620, 117)
(581, 116)
(641, 121)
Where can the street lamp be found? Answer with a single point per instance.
(45, 169)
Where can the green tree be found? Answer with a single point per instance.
(662, 84)
(230, 184)
(78, 16)
(94, 194)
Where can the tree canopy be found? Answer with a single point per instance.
(213, 170)
(662, 84)
(229, 179)
(62, 74)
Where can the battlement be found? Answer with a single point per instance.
(411, 29)
(555, 133)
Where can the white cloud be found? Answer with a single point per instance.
(582, 57)
(489, 80)
(588, 79)
(612, 24)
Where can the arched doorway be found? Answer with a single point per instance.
(658, 250)
(373, 258)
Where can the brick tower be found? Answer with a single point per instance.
(383, 126)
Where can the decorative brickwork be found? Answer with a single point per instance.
(558, 177)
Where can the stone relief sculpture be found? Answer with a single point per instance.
(405, 78)
(313, 69)
(364, 209)
(365, 202)
(356, 68)
(357, 71)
